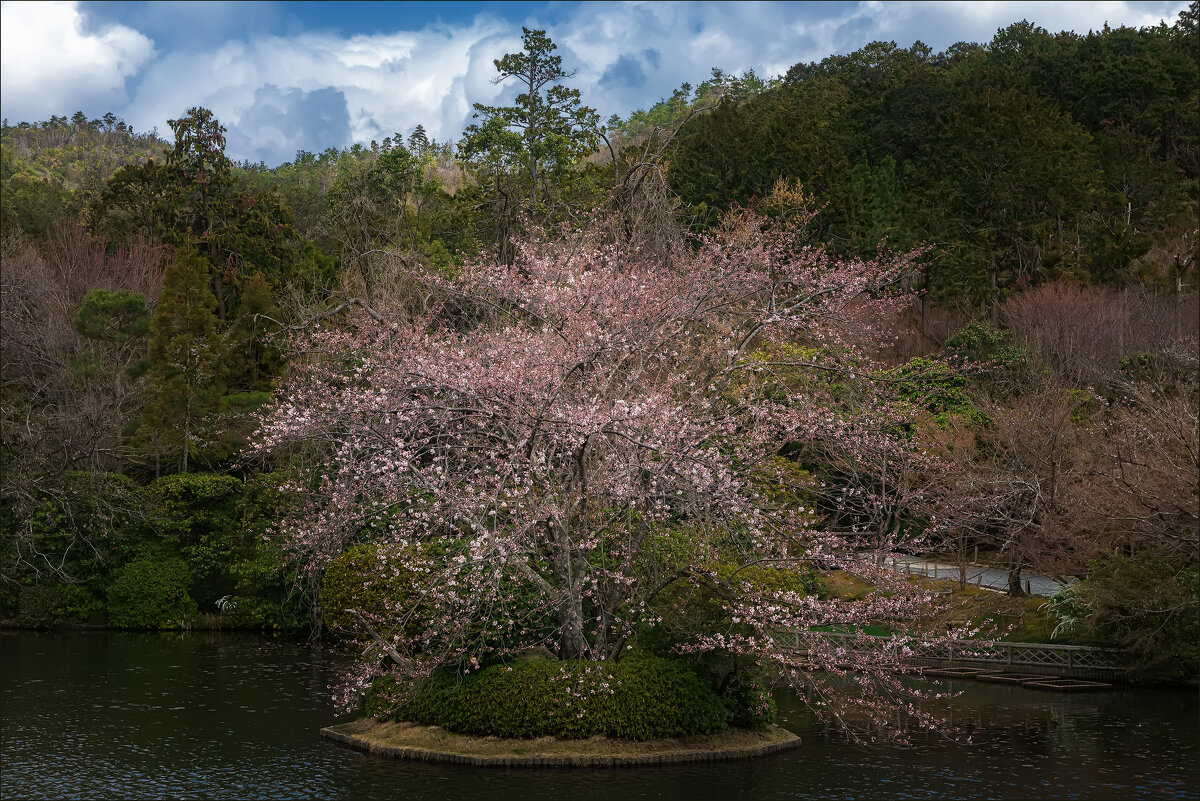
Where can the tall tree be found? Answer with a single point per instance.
(194, 199)
(418, 141)
(253, 362)
(185, 380)
(523, 153)
(201, 169)
(548, 456)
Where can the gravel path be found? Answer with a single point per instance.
(981, 575)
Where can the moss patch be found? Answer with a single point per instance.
(838, 584)
(1023, 619)
(434, 744)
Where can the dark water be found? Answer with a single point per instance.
(229, 716)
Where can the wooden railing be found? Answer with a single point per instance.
(1024, 654)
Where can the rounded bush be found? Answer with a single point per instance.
(640, 698)
(151, 593)
(372, 579)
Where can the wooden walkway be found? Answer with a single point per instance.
(1038, 660)
(1070, 661)
(1036, 681)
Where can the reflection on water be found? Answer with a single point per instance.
(236, 716)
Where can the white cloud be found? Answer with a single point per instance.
(280, 122)
(299, 88)
(390, 82)
(941, 24)
(50, 65)
(689, 39)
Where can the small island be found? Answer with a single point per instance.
(539, 711)
(419, 743)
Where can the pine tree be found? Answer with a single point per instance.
(523, 155)
(418, 142)
(185, 379)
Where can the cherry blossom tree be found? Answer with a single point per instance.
(530, 447)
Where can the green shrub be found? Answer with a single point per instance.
(113, 316)
(41, 605)
(750, 703)
(217, 522)
(83, 527)
(85, 603)
(201, 513)
(371, 578)
(49, 603)
(639, 698)
(151, 593)
(241, 612)
(686, 607)
(803, 580)
(1148, 605)
(938, 388)
(1010, 367)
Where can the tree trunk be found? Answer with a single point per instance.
(925, 300)
(962, 562)
(1014, 582)
(218, 287)
(993, 282)
(572, 643)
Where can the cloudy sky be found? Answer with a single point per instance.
(286, 76)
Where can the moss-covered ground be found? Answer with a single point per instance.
(1015, 619)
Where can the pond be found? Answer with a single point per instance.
(210, 715)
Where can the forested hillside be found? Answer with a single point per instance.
(1035, 199)
(1029, 159)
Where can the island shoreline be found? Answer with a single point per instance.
(420, 743)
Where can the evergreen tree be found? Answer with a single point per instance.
(195, 198)
(253, 362)
(418, 142)
(185, 379)
(522, 154)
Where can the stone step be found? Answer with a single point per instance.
(1013, 678)
(959, 672)
(1068, 685)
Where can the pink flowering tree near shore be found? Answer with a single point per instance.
(563, 442)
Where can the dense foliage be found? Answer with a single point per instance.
(369, 581)
(151, 593)
(1026, 159)
(634, 699)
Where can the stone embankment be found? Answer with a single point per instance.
(433, 744)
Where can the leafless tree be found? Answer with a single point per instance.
(65, 400)
(1006, 491)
